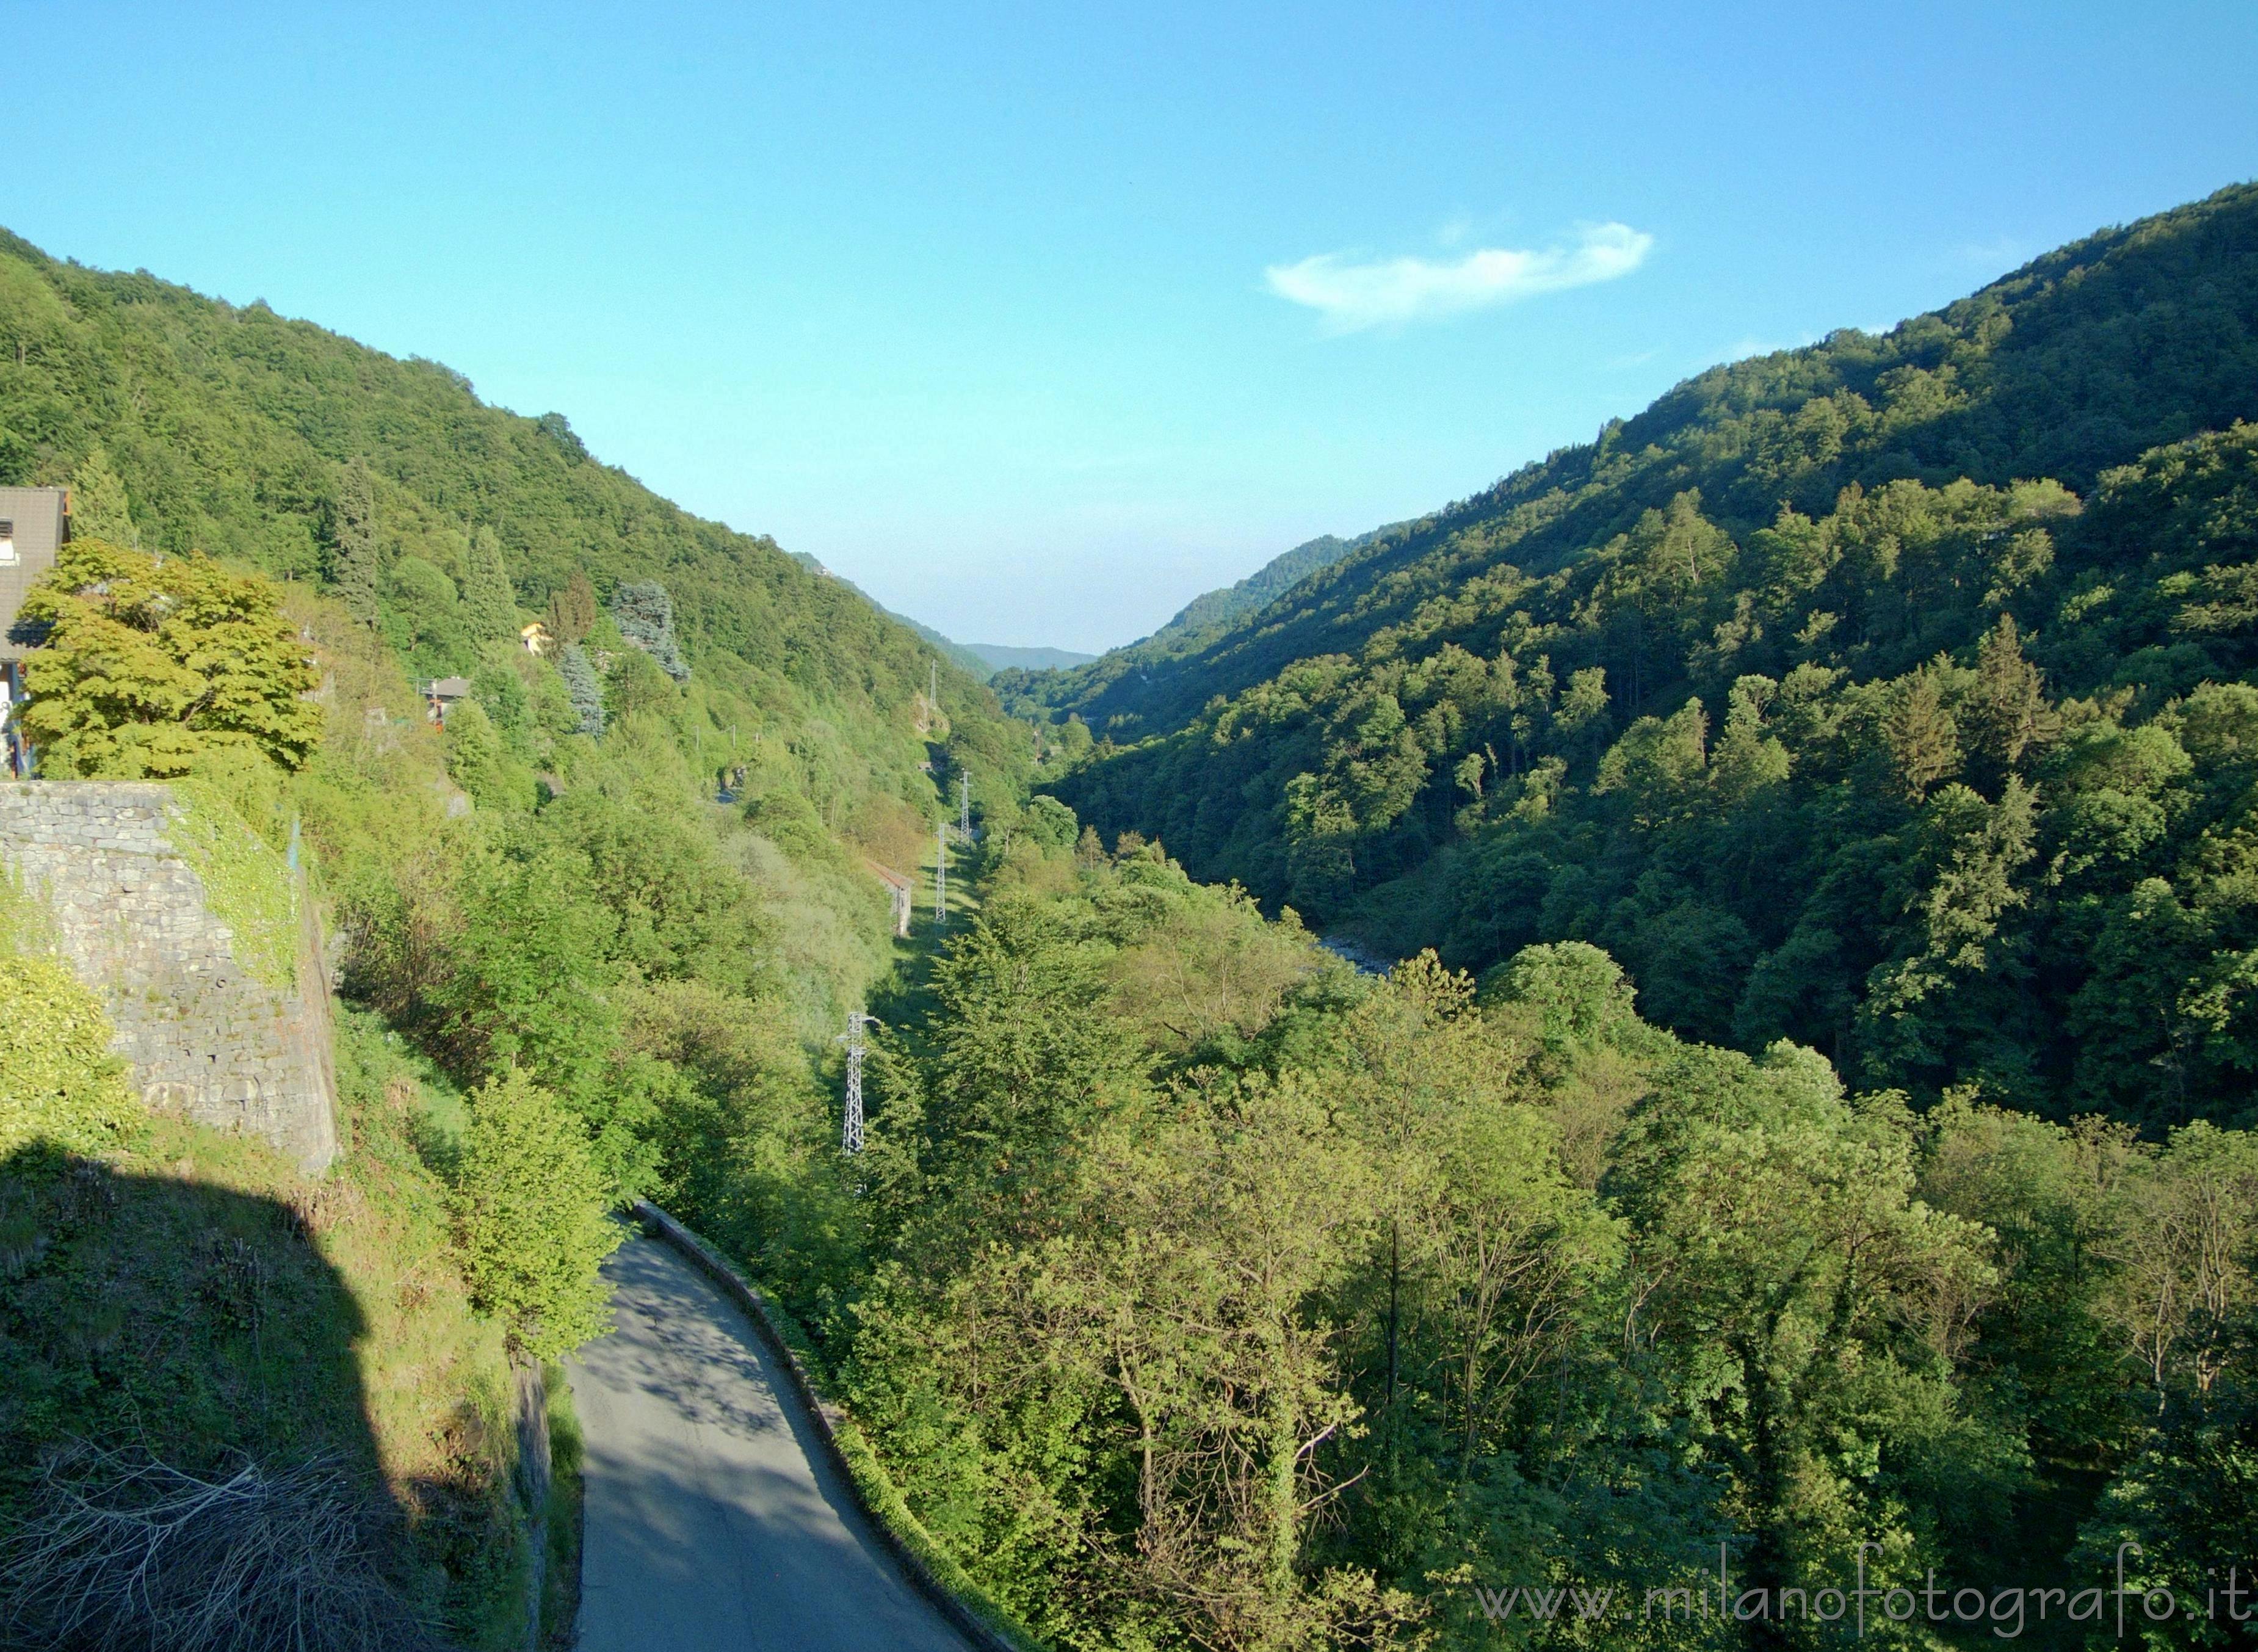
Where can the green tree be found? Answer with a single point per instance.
(353, 563)
(489, 603)
(99, 508)
(162, 667)
(1783, 1256)
(644, 613)
(475, 758)
(585, 694)
(573, 611)
(532, 1222)
(423, 618)
(636, 685)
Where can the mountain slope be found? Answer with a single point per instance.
(2081, 360)
(1810, 668)
(232, 427)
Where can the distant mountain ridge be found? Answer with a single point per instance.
(1006, 656)
(980, 658)
(1094, 684)
(1212, 612)
(1985, 387)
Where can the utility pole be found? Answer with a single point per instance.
(964, 807)
(850, 1134)
(940, 878)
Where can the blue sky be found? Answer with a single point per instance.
(1037, 320)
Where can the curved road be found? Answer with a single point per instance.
(712, 1523)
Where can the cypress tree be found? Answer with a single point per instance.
(489, 603)
(352, 531)
(572, 610)
(99, 508)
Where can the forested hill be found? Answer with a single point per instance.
(2079, 360)
(1100, 689)
(231, 429)
(1806, 692)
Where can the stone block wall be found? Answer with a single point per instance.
(203, 1036)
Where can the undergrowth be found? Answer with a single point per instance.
(189, 1297)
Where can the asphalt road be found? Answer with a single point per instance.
(712, 1523)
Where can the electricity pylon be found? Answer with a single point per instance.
(940, 878)
(964, 807)
(850, 1133)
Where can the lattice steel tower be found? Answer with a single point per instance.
(850, 1132)
(964, 807)
(940, 878)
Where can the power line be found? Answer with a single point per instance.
(850, 1133)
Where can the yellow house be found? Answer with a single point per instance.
(536, 637)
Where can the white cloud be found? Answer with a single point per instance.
(1351, 296)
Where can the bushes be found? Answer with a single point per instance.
(58, 1083)
(531, 1211)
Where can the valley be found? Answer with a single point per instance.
(1774, 1082)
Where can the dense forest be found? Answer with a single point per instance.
(1887, 696)
(1804, 1151)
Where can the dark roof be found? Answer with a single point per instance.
(39, 522)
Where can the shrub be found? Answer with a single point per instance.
(531, 1208)
(58, 1083)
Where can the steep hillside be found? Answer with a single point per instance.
(595, 930)
(1798, 691)
(2081, 360)
(232, 430)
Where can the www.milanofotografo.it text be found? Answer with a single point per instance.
(2118, 1603)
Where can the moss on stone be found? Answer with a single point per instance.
(247, 886)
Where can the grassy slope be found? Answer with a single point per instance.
(195, 1296)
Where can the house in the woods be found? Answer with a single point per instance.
(535, 638)
(34, 524)
(441, 695)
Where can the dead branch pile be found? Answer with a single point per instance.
(122, 1551)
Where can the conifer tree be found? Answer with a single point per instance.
(99, 508)
(644, 614)
(581, 684)
(352, 532)
(489, 603)
(572, 610)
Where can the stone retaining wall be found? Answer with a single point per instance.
(204, 1036)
